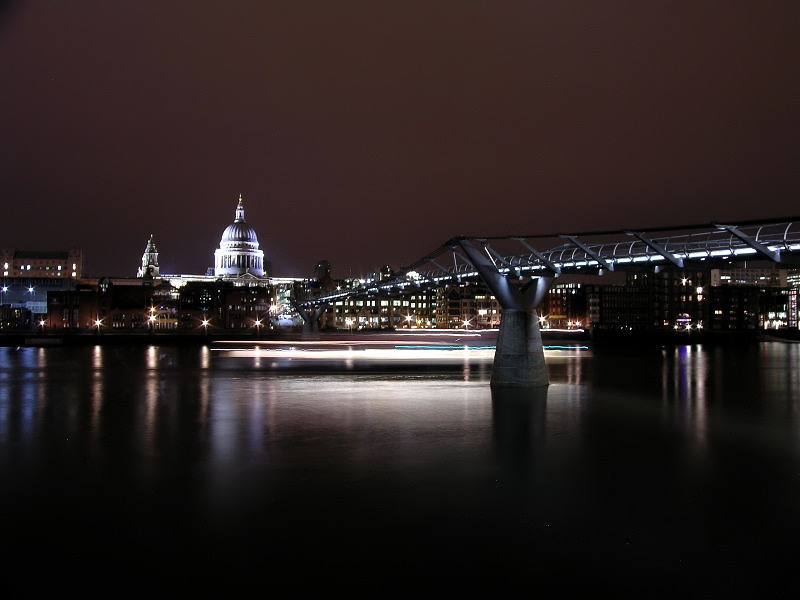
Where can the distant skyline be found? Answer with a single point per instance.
(368, 133)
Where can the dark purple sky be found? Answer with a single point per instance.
(369, 132)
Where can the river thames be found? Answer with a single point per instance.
(647, 471)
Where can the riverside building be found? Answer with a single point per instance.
(238, 292)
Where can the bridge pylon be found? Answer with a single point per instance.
(310, 316)
(519, 357)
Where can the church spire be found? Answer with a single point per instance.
(239, 211)
(149, 266)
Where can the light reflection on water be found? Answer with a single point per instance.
(234, 394)
(659, 447)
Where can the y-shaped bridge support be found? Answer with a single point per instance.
(310, 316)
(519, 358)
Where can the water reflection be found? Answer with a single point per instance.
(684, 384)
(97, 394)
(518, 419)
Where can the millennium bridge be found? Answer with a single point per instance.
(519, 269)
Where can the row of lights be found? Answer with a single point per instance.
(688, 327)
(99, 322)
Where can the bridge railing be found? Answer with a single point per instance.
(593, 252)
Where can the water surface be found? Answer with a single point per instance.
(654, 472)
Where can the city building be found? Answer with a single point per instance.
(28, 275)
(124, 305)
(42, 264)
(466, 305)
(238, 251)
(565, 307)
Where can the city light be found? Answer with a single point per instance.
(41, 323)
(30, 290)
(205, 322)
(98, 322)
(5, 288)
(152, 318)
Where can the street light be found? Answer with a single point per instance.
(466, 323)
(409, 318)
(205, 326)
(98, 323)
(258, 327)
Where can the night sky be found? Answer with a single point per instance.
(370, 132)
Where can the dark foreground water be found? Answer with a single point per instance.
(647, 472)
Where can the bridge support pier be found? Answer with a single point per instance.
(519, 357)
(310, 317)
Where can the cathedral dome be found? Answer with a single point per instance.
(238, 232)
(238, 251)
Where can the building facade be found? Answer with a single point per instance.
(42, 264)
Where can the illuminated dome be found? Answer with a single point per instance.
(238, 231)
(238, 251)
